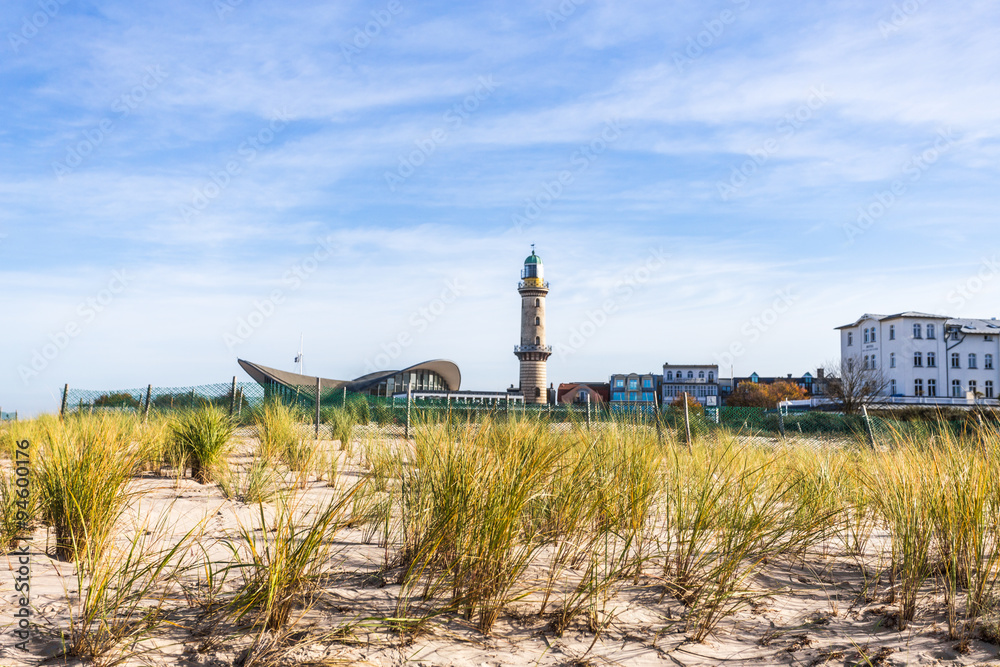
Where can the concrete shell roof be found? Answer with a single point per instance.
(448, 370)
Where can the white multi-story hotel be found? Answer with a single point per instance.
(927, 358)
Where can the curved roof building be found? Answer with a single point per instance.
(435, 375)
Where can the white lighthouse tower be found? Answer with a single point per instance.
(533, 353)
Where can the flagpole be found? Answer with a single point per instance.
(299, 357)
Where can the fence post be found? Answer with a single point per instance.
(409, 400)
(588, 410)
(149, 396)
(232, 398)
(781, 421)
(62, 407)
(868, 427)
(659, 423)
(344, 401)
(318, 390)
(687, 422)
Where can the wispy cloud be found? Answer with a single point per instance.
(561, 79)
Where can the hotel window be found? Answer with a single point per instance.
(988, 389)
(647, 383)
(930, 331)
(866, 362)
(633, 396)
(711, 376)
(850, 364)
(972, 387)
(619, 383)
(931, 360)
(648, 396)
(866, 334)
(873, 334)
(873, 361)
(892, 387)
(701, 375)
(633, 383)
(892, 332)
(918, 387)
(670, 375)
(972, 361)
(850, 338)
(892, 360)
(956, 388)
(618, 396)
(955, 360)
(918, 359)
(690, 375)
(917, 330)
(988, 362)
(932, 387)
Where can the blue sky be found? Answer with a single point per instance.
(698, 177)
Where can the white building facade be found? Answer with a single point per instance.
(699, 381)
(932, 359)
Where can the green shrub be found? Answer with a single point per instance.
(203, 436)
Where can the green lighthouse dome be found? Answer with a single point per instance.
(532, 273)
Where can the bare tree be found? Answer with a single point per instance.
(854, 385)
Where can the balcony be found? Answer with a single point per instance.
(532, 348)
(542, 285)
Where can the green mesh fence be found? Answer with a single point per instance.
(743, 424)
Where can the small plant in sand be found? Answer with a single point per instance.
(280, 559)
(255, 483)
(124, 593)
(84, 472)
(281, 438)
(203, 436)
(342, 421)
(464, 507)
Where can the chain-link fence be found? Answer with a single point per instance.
(395, 415)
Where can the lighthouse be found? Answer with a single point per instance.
(533, 353)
